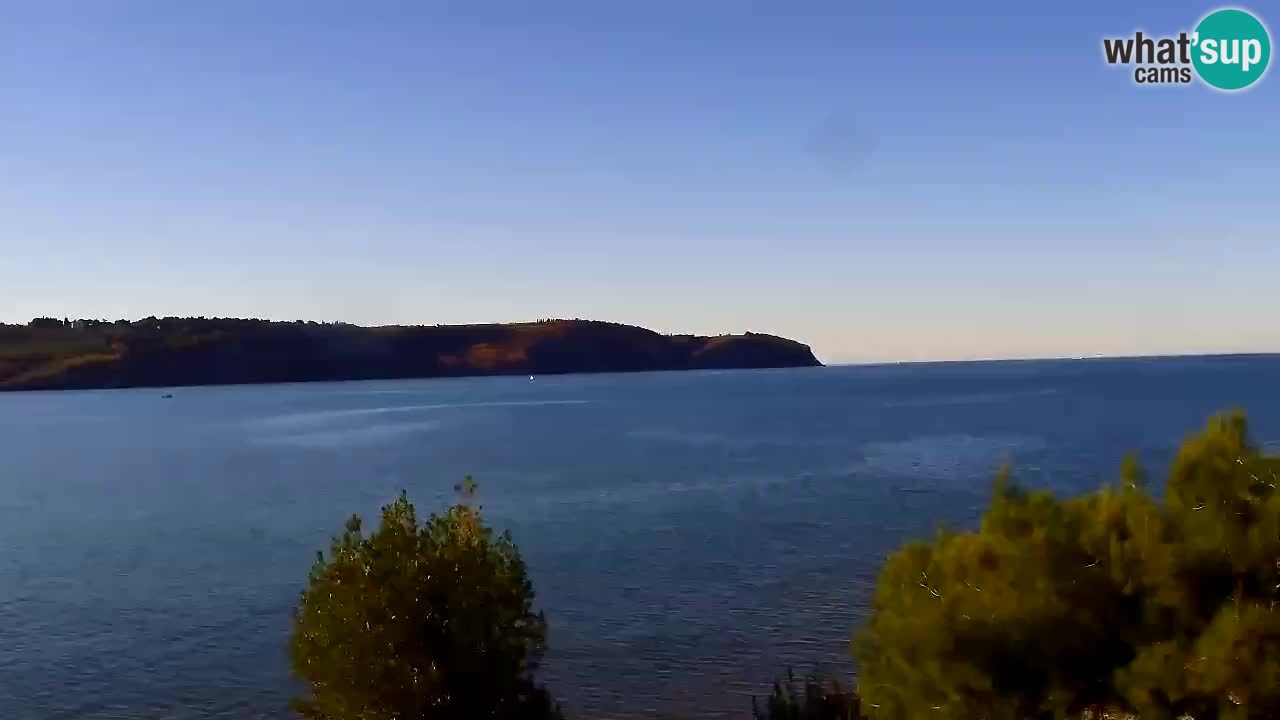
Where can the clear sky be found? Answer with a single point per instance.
(881, 180)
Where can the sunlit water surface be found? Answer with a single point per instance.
(688, 534)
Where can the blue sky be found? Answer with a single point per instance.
(881, 180)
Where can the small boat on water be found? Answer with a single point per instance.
(530, 378)
(167, 396)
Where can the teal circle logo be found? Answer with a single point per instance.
(1231, 49)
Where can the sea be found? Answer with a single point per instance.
(689, 535)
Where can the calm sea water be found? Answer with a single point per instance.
(689, 534)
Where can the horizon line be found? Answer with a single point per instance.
(1053, 358)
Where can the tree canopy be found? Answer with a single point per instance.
(420, 621)
(1116, 601)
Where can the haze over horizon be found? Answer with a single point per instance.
(880, 182)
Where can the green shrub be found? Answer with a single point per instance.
(1114, 602)
(815, 699)
(418, 622)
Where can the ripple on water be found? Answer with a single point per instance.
(362, 435)
(321, 417)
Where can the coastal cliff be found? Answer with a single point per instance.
(52, 354)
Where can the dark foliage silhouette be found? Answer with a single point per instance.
(811, 699)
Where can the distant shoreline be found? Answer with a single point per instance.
(49, 354)
(1088, 358)
(494, 376)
